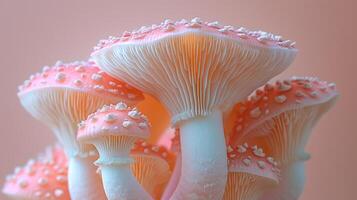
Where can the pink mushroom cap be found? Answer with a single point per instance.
(142, 147)
(274, 99)
(252, 160)
(64, 94)
(114, 120)
(43, 178)
(81, 76)
(170, 28)
(152, 166)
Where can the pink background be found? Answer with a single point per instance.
(37, 33)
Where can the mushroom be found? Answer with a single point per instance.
(63, 95)
(250, 173)
(41, 178)
(174, 145)
(151, 167)
(282, 116)
(113, 130)
(198, 71)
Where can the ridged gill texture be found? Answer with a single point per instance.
(62, 109)
(245, 186)
(289, 132)
(152, 173)
(194, 73)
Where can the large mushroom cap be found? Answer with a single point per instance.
(63, 95)
(250, 172)
(151, 166)
(168, 28)
(284, 112)
(195, 67)
(43, 178)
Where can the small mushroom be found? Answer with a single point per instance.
(113, 134)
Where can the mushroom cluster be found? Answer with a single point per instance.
(205, 74)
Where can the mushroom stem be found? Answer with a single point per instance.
(83, 181)
(119, 183)
(292, 184)
(175, 177)
(204, 159)
(114, 162)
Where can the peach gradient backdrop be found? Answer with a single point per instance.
(36, 33)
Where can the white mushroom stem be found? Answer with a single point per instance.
(114, 163)
(204, 159)
(291, 185)
(175, 177)
(83, 181)
(119, 183)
